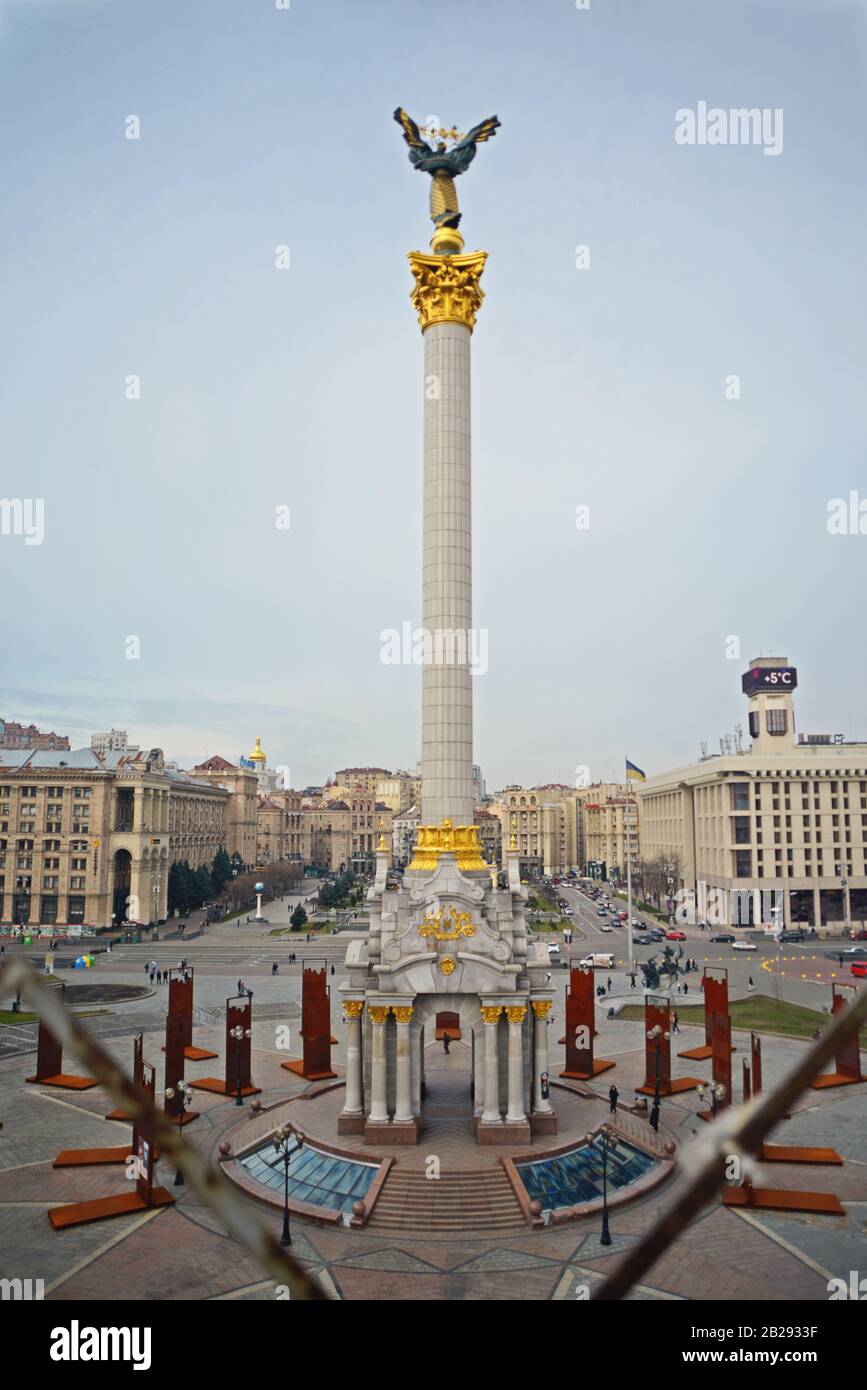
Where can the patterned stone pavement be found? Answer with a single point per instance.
(182, 1253)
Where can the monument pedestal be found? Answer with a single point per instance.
(388, 1132)
(507, 1132)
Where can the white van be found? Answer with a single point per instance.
(599, 960)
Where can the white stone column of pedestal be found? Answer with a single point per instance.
(353, 1104)
(491, 1112)
(541, 1009)
(402, 1097)
(515, 1112)
(447, 702)
(378, 1092)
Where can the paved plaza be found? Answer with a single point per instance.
(182, 1253)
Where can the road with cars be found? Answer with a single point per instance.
(808, 967)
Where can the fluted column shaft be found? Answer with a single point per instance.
(353, 1104)
(515, 1113)
(541, 1009)
(378, 1092)
(403, 1099)
(491, 1111)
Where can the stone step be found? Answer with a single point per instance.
(465, 1200)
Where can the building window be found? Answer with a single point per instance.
(743, 863)
(776, 721)
(740, 796)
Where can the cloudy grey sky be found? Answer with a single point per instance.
(261, 388)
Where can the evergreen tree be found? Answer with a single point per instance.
(202, 886)
(298, 918)
(221, 871)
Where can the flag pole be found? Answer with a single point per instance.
(626, 827)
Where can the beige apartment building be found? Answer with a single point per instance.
(242, 785)
(611, 835)
(279, 830)
(88, 839)
(542, 822)
(786, 815)
(344, 834)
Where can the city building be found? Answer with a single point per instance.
(242, 785)
(279, 831)
(268, 779)
(340, 834)
(542, 824)
(88, 838)
(490, 832)
(404, 833)
(786, 816)
(115, 741)
(14, 735)
(611, 835)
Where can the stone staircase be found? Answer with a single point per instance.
(479, 1200)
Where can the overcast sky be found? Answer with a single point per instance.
(262, 388)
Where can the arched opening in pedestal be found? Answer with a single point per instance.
(448, 1024)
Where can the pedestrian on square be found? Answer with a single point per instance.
(240, 985)
(613, 1095)
(275, 969)
(675, 1022)
(446, 1042)
(750, 984)
(654, 1117)
(609, 984)
(632, 982)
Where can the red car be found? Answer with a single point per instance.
(859, 968)
(675, 936)
(859, 935)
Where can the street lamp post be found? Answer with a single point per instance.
(715, 1093)
(656, 1035)
(287, 1141)
(183, 1094)
(776, 913)
(608, 1142)
(239, 1034)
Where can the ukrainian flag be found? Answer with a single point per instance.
(634, 773)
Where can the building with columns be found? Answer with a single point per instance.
(447, 949)
(242, 785)
(787, 816)
(88, 839)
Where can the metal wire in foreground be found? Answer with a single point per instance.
(209, 1184)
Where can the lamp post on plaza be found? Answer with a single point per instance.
(287, 1141)
(656, 1035)
(183, 1094)
(715, 1093)
(259, 889)
(239, 1034)
(608, 1142)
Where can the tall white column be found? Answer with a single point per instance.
(515, 1112)
(447, 701)
(402, 1098)
(378, 1093)
(353, 1009)
(491, 1111)
(541, 1009)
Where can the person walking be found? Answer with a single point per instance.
(632, 981)
(608, 986)
(750, 984)
(446, 1043)
(613, 1096)
(240, 985)
(675, 1022)
(275, 969)
(654, 1117)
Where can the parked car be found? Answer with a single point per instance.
(677, 936)
(745, 946)
(859, 968)
(724, 937)
(793, 934)
(859, 935)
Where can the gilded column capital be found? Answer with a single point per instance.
(353, 1008)
(541, 1007)
(491, 1012)
(447, 288)
(516, 1013)
(378, 1013)
(403, 1013)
